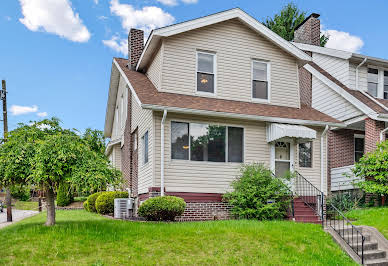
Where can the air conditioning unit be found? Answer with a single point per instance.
(122, 208)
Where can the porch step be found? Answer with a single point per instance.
(356, 238)
(374, 254)
(376, 262)
(367, 245)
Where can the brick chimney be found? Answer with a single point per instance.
(135, 46)
(308, 31)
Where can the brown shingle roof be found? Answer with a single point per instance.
(357, 94)
(148, 94)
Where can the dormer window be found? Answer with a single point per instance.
(205, 72)
(373, 81)
(260, 80)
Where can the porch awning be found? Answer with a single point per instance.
(277, 131)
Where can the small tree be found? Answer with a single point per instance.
(373, 169)
(287, 20)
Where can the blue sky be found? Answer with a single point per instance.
(56, 55)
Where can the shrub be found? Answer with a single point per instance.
(86, 205)
(92, 201)
(64, 195)
(164, 208)
(258, 194)
(21, 192)
(105, 201)
(347, 200)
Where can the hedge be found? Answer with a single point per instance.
(105, 201)
(164, 208)
(92, 201)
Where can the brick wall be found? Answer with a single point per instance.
(203, 211)
(135, 46)
(372, 134)
(305, 87)
(134, 164)
(309, 31)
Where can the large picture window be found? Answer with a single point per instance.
(305, 154)
(205, 72)
(204, 142)
(260, 80)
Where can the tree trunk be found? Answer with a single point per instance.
(8, 202)
(50, 201)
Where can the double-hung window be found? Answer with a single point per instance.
(206, 72)
(373, 81)
(145, 147)
(359, 142)
(260, 80)
(204, 142)
(385, 84)
(305, 154)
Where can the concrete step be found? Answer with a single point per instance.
(356, 238)
(367, 246)
(376, 262)
(374, 254)
(343, 231)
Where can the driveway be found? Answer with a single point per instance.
(17, 215)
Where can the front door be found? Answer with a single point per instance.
(283, 158)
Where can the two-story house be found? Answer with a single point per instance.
(202, 97)
(350, 87)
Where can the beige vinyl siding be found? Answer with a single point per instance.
(207, 177)
(235, 46)
(313, 174)
(119, 117)
(115, 156)
(337, 67)
(155, 68)
(142, 120)
(326, 100)
(362, 77)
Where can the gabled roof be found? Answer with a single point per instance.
(362, 100)
(148, 97)
(235, 13)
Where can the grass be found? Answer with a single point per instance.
(376, 217)
(26, 205)
(83, 238)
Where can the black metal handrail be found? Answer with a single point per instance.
(291, 196)
(309, 194)
(345, 229)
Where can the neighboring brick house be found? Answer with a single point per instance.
(202, 98)
(350, 87)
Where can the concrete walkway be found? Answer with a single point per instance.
(17, 215)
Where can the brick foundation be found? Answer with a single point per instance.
(205, 211)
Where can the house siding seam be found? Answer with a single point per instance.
(126, 150)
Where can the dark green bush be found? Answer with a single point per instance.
(92, 201)
(347, 200)
(105, 201)
(64, 195)
(86, 205)
(257, 194)
(164, 208)
(20, 192)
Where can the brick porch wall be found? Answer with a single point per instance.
(372, 134)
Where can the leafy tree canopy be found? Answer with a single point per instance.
(287, 20)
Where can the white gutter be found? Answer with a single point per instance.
(382, 134)
(322, 161)
(363, 62)
(162, 153)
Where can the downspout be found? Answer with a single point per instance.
(363, 62)
(322, 161)
(382, 134)
(162, 153)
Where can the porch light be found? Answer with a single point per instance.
(185, 147)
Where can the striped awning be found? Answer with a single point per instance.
(277, 131)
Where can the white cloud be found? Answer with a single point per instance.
(190, 1)
(343, 41)
(102, 17)
(147, 18)
(22, 110)
(42, 114)
(117, 44)
(54, 16)
(95, 2)
(168, 2)
(8, 18)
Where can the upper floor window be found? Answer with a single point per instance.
(260, 80)
(385, 84)
(373, 81)
(205, 72)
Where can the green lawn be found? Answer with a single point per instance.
(376, 217)
(82, 238)
(26, 205)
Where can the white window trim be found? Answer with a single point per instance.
(226, 142)
(357, 136)
(143, 148)
(258, 100)
(292, 154)
(214, 73)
